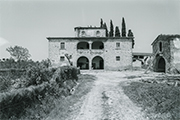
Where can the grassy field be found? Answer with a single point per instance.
(159, 101)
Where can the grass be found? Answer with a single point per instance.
(159, 101)
(63, 108)
(59, 106)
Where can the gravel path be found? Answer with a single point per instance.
(107, 101)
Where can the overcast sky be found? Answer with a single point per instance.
(27, 23)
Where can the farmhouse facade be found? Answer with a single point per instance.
(166, 53)
(90, 49)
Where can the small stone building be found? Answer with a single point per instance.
(90, 49)
(166, 53)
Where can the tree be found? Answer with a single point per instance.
(111, 32)
(105, 27)
(117, 32)
(19, 53)
(101, 23)
(123, 29)
(69, 57)
(130, 34)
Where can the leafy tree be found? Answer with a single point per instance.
(111, 32)
(19, 53)
(101, 23)
(105, 27)
(123, 29)
(117, 32)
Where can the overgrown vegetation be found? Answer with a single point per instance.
(160, 101)
(20, 74)
(32, 87)
(64, 106)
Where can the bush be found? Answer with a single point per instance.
(42, 82)
(14, 103)
(5, 83)
(38, 75)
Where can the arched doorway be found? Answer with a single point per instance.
(83, 63)
(97, 45)
(97, 63)
(83, 45)
(161, 65)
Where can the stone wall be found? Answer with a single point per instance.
(124, 52)
(175, 52)
(108, 54)
(90, 32)
(170, 52)
(165, 53)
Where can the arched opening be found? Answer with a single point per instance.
(97, 45)
(161, 64)
(97, 63)
(83, 45)
(83, 63)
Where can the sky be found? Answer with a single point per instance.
(27, 23)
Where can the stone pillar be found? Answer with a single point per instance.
(90, 45)
(90, 61)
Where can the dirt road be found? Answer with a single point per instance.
(107, 101)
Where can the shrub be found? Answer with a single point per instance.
(5, 83)
(14, 103)
(65, 73)
(38, 87)
(38, 75)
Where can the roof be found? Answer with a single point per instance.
(165, 38)
(79, 38)
(141, 54)
(88, 28)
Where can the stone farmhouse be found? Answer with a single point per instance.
(166, 53)
(90, 49)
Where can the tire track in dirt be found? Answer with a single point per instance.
(107, 101)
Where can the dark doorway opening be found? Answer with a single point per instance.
(83, 63)
(97, 63)
(161, 65)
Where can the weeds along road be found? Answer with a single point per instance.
(107, 101)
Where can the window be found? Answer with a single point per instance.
(62, 58)
(83, 33)
(160, 46)
(117, 58)
(62, 45)
(98, 33)
(117, 45)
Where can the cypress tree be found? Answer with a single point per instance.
(105, 27)
(117, 32)
(111, 32)
(101, 23)
(130, 34)
(123, 29)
